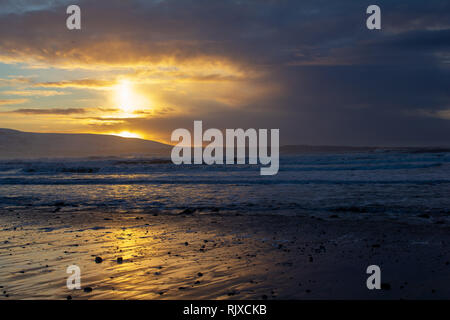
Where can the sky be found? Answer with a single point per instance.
(309, 68)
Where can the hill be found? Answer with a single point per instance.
(18, 144)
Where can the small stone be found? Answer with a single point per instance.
(119, 260)
(200, 274)
(98, 260)
(69, 297)
(385, 286)
(87, 289)
(188, 211)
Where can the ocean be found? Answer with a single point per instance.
(359, 183)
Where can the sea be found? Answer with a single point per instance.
(385, 182)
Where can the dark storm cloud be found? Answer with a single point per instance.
(342, 83)
(50, 111)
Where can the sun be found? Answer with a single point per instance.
(125, 96)
(129, 100)
(128, 134)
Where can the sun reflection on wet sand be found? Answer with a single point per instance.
(158, 261)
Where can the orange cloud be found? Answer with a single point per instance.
(29, 93)
(82, 83)
(6, 102)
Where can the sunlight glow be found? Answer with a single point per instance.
(125, 96)
(129, 99)
(127, 134)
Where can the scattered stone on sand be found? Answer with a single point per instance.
(87, 289)
(200, 274)
(119, 260)
(98, 260)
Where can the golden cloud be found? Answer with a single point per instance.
(31, 93)
(82, 83)
(6, 102)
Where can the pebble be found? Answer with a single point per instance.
(385, 286)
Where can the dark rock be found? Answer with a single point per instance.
(69, 297)
(98, 260)
(119, 260)
(385, 286)
(87, 289)
(200, 274)
(188, 211)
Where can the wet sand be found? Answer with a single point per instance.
(215, 256)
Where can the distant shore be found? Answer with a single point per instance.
(213, 256)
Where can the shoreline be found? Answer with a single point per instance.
(217, 256)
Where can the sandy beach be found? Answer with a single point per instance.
(197, 255)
